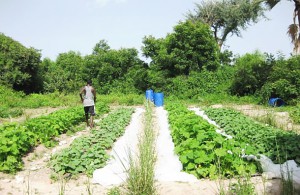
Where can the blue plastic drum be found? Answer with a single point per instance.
(158, 99)
(149, 95)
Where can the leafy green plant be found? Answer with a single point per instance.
(243, 186)
(114, 191)
(263, 138)
(89, 153)
(199, 146)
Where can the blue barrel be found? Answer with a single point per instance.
(158, 99)
(149, 95)
(276, 102)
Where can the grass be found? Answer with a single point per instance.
(62, 185)
(287, 181)
(141, 171)
(240, 185)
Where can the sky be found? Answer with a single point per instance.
(58, 26)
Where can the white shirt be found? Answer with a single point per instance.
(88, 99)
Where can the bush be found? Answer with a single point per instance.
(284, 81)
(252, 71)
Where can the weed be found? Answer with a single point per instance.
(114, 191)
(287, 181)
(89, 188)
(141, 171)
(62, 184)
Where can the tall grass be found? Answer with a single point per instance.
(141, 171)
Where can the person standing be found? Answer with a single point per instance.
(88, 98)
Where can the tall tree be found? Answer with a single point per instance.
(294, 28)
(227, 16)
(18, 65)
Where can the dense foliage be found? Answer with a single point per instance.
(189, 48)
(18, 65)
(202, 151)
(277, 144)
(267, 77)
(187, 64)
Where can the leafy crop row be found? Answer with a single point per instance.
(277, 144)
(89, 153)
(202, 151)
(17, 140)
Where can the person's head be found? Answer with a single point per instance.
(89, 82)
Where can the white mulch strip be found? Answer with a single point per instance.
(168, 166)
(114, 172)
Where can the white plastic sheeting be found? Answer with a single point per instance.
(114, 173)
(204, 116)
(168, 167)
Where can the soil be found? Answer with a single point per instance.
(35, 178)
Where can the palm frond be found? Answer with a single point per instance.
(293, 32)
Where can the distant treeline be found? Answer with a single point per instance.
(187, 63)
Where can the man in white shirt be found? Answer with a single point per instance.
(88, 98)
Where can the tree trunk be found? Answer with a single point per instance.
(297, 40)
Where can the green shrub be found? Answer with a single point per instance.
(252, 71)
(283, 81)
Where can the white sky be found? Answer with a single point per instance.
(56, 26)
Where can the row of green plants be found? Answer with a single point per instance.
(275, 143)
(89, 152)
(18, 139)
(202, 151)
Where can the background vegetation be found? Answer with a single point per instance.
(188, 63)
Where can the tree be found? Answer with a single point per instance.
(294, 28)
(18, 65)
(108, 67)
(252, 72)
(101, 46)
(190, 47)
(65, 74)
(227, 16)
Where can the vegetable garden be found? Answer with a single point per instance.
(203, 151)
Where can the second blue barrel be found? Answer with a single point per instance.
(158, 99)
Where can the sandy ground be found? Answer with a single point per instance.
(35, 178)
